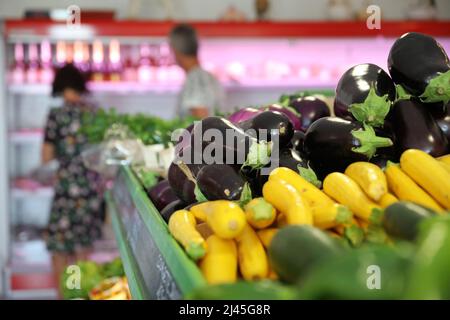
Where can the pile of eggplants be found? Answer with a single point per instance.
(377, 116)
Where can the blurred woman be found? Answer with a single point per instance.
(76, 215)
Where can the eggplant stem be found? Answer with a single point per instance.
(369, 142)
(438, 89)
(373, 109)
(258, 155)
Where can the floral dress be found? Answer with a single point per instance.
(76, 215)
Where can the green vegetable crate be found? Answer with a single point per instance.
(155, 265)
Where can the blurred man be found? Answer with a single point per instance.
(201, 93)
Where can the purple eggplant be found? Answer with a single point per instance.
(269, 124)
(287, 158)
(414, 128)
(296, 143)
(310, 109)
(441, 114)
(364, 93)
(181, 184)
(162, 194)
(220, 182)
(290, 113)
(171, 208)
(331, 144)
(243, 115)
(420, 64)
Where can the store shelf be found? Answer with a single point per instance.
(17, 29)
(155, 265)
(26, 137)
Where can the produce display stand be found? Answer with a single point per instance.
(155, 265)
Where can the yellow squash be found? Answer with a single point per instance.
(260, 214)
(445, 165)
(199, 211)
(427, 173)
(387, 200)
(312, 195)
(224, 217)
(266, 236)
(252, 257)
(347, 192)
(406, 189)
(445, 159)
(182, 227)
(326, 217)
(369, 177)
(220, 262)
(286, 199)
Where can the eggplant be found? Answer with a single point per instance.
(267, 124)
(244, 115)
(420, 64)
(168, 210)
(290, 113)
(239, 145)
(181, 184)
(414, 128)
(441, 114)
(220, 182)
(288, 158)
(162, 194)
(331, 144)
(364, 93)
(297, 141)
(310, 109)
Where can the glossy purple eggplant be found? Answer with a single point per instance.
(243, 115)
(420, 64)
(441, 113)
(310, 109)
(296, 143)
(331, 144)
(162, 194)
(181, 184)
(414, 128)
(364, 93)
(220, 182)
(290, 113)
(269, 124)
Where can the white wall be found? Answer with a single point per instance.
(211, 9)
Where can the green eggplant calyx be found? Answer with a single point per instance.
(401, 93)
(196, 251)
(309, 175)
(246, 195)
(373, 110)
(369, 141)
(344, 215)
(258, 155)
(354, 234)
(199, 196)
(262, 210)
(438, 89)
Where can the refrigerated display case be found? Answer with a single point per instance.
(131, 69)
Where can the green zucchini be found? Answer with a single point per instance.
(296, 249)
(401, 219)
